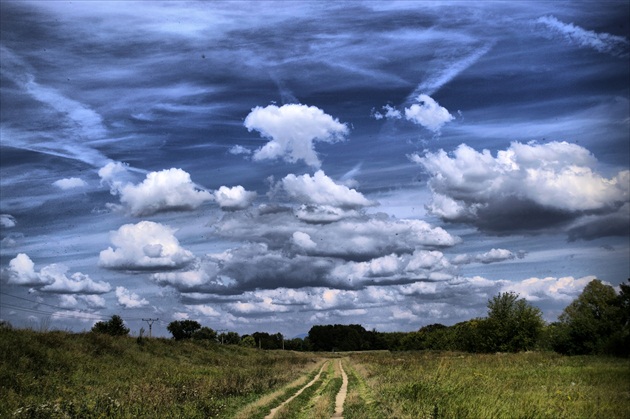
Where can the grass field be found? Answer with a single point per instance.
(56, 374)
(455, 385)
(61, 375)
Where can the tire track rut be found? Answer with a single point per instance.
(287, 401)
(341, 396)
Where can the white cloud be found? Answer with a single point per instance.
(322, 214)
(144, 246)
(77, 282)
(557, 176)
(70, 183)
(235, 198)
(22, 272)
(7, 221)
(111, 173)
(564, 289)
(428, 113)
(52, 278)
(303, 240)
(601, 42)
(292, 130)
(390, 113)
(322, 190)
(166, 190)
(239, 149)
(204, 310)
(129, 299)
(180, 316)
(253, 306)
(494, 255)
(91, 301)
(204, 277)
(423, 264)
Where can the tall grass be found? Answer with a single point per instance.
(63, 375)
(57, 374)
(525, 385)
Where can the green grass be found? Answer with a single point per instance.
(63, 375)
(525, 385)
(57, 374)
(260, 411)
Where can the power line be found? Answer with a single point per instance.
(65, 312)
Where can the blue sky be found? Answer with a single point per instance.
(262, 166)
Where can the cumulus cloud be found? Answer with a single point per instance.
(322, 214)
(256, 306)
(393, 269)
(239, 149)
(129, 299)
(359, 238)
(601, 42)
(322, 190)
(346, 255)
(52, 278)
(203, 277)
(428, 113)
(144, 246)
(389, 113)
(204, 310)
(235, 198)
(491, 256)
(528, 186)
(114, 174)
(255, 265)
(92, 301)
(7, 221)
(22, 272)
(292, 130)
(166, 190)
(70, 183)
(303, 240)
(564, 289)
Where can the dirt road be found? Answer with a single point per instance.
(341, 396)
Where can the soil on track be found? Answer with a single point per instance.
(341, 396)
(297, 393)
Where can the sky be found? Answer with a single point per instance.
(270, 166)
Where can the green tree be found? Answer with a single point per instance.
(114, 327)
(248, 341)
(205, 333)
(620, 342)
(588, 323)
(512, 324)
(183, 329)
(230, 338)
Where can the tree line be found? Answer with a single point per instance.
(596, 322)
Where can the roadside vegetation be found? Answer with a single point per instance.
(58, 375)
(457, 385)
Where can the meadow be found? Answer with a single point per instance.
(463, 385)
(89, 375)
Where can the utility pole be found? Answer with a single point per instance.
(220, 331)
(150, 322)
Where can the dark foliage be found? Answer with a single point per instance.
(114, 327)
(183, 329)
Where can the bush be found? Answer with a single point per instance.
(113, 327)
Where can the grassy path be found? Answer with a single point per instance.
(259, 408)
(273, 412)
